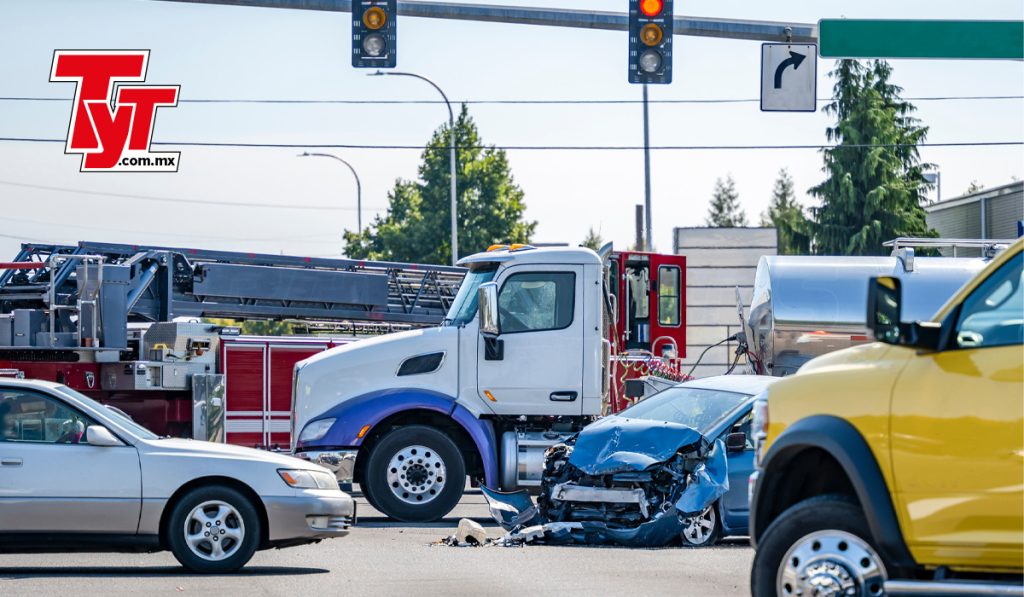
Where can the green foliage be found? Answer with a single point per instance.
(974, 187)
(874, 187)
(417, 227)
(257, 327)
(593, 240)
(725, 211)
(787, 217)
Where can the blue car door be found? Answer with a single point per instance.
(735, 508)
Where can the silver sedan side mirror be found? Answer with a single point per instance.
(97, 435)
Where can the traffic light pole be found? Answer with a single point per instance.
(557, 17)
(648, 244)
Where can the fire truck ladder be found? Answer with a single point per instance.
(152, 284)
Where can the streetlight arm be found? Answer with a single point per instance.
(451, 114)
(359, 185)
(451, 160)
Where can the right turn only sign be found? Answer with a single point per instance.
(789, 77)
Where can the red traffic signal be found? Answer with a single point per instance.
(652, 8)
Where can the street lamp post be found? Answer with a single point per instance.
(359, 186)
(451, 143)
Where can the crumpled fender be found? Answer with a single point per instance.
(709, 482)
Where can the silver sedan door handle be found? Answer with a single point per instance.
(10, 462)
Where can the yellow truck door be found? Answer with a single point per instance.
(957, 433)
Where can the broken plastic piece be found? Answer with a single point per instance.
(470, 532)
(511, 510)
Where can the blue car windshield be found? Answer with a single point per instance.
(463, 308)
(697, 408)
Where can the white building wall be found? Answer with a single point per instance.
(718, 260)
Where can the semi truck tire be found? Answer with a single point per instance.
(415, 474)
(822, 543)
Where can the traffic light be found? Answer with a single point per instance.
(650, 41)
(373, 33)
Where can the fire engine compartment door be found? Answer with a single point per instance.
(540, 371)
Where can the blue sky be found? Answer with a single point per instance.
(237, 52)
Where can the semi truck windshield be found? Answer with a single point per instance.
(464, 307)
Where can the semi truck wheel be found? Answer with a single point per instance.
(415, 474)
(820, 546)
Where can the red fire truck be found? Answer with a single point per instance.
(128, 325)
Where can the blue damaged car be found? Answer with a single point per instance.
(672, 468)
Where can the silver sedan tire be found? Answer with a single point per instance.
(213, 529)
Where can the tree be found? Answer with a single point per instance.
(593, 240)
(974, 187)
(417, 226)
(256, 327)
(787, 217)
(874, 186)
(725, 211)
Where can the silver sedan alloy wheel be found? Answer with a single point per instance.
(214, 530)
(831, 563)
(416, 474)
(699, 527)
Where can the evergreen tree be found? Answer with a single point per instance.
(593, 240)
(725, 210)
(787, 217)
(417, 226)
(974, 187)
(874, 186)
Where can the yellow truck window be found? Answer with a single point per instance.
(993, 315)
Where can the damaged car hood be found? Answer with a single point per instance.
(617, 444)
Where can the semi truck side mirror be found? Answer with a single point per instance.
(487, 300)
(885, 295)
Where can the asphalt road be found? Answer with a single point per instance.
(387, 558)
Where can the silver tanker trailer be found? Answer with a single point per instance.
(806, 306)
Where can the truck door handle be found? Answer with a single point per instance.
(563, 396)
(11, 462)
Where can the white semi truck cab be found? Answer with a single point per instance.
(519, 364)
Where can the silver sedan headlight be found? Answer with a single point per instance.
(305, 479)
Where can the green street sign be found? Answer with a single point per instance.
(867, 38)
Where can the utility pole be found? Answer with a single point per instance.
(648, 244)
(639, 227)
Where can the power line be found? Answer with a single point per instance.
(509, 148)
(513, 102)
(304, 238)
(167, 199)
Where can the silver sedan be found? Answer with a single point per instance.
(78, 476)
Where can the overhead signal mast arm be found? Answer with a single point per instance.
(557, 17)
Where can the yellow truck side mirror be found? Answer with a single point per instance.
(885, 297)
(885, 307)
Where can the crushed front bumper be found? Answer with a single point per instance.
(309, 515)
(340, 462)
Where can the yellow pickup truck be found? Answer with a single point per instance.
(897, 468)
